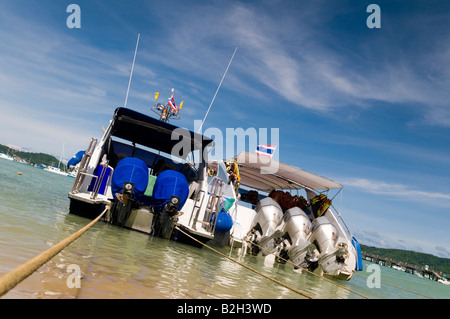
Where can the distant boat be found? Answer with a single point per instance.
(73, 173)
(397, 267)
(6, 156)
(57, 170)
(444, 281)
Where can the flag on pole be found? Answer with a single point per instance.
(172, 104)
(156, 95)
(266, 150)
(181, 105)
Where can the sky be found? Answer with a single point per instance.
(366, 107)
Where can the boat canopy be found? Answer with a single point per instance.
(148, 131)
(256, 172)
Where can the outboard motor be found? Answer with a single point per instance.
(268, 217)
(332, 252)
(128, 184)
(163, 224)
(121, 208)
(296, 225)
(169, 195)
(297, 247)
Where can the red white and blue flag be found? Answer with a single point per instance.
(172, 104)
(265, 150)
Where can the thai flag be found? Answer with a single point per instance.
(172, 104)
(265, 150)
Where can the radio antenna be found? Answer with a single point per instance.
(218, 88)
(132, 69)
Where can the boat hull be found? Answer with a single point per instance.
(85, 209)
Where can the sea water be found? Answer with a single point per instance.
(115, 262)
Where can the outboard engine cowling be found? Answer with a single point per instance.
(128, 183)
(132, 170)
(296, 229)
(169, 196)
(333, 253)
(169, 183)
(297, 225)
(268, 217)
(324, 235)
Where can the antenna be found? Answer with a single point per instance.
(132, 69)
(223, 77)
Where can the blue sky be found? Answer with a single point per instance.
(368, 108)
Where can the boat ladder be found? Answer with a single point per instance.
(213, 205)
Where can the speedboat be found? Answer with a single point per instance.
(5, 156)
(153, 175)
(302, 229)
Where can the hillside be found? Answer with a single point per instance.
(411, 257)
(33, 158)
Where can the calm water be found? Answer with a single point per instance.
(119, 263)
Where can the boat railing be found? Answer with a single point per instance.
(196, 208)
(214, 197)
(82, 171)
(213, 205)
(99, 180)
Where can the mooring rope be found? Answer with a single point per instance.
(247, 267)
(309, 271)
(343, 287)
(17, 275)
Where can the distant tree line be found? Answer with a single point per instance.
(411, 257)
(32, 158)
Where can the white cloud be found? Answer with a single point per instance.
(393, 189)
(317, 72)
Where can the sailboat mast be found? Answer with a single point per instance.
(60, 156)
(132, 69)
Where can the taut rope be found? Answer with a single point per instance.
(17, 275)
